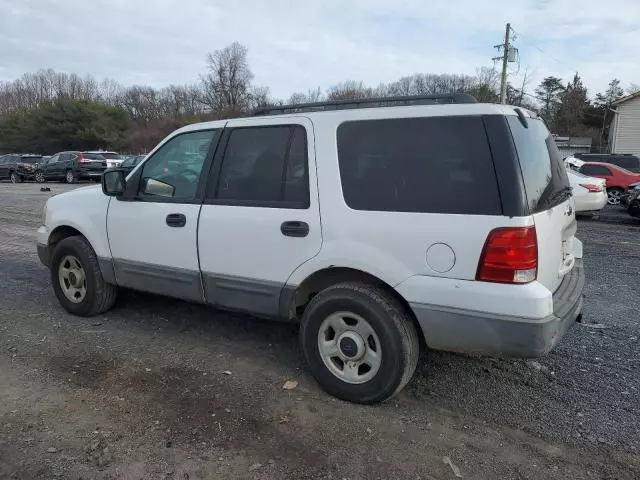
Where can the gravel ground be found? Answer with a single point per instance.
(141, 391)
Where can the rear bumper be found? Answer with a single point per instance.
(469, 331)
(89, 173)
(591, 202)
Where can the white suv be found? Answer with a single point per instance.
(372, 227)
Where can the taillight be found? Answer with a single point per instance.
(591, 187)
(81, 158)
(510, 255)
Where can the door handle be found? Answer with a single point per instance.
(176, 220)
(295, 229)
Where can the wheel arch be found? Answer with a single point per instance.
(293, 300)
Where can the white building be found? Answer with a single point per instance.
(624, 135)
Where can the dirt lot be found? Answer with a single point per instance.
(141, 393)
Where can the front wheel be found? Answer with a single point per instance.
(77, 279)
(39, 177)
(614, 196)
(15, 178)
(360, 343)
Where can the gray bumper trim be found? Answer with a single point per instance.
(475, 332)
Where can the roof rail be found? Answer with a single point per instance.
(365, 103)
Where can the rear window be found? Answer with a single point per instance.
(93, 156)
(110, 156)
(431, 165)
(545, 176)
(30, 159)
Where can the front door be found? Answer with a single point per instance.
(152, 228)
(260, 219)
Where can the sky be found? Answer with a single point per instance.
(299, 45)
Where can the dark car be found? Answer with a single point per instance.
(18, 167)
(131, 162)
(633, 203)
(623, 160)
(71, 167)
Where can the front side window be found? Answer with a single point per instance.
(174, 170)
(265, 166)
(429, 165)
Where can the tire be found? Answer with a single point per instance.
(613, 196)
(39, 177)
(396, 341)
(99, 296)
(70, 176)
(15, 178)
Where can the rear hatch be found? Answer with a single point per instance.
(94, 162)
(548, 197)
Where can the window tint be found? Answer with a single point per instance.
(174, 170)
(543, 171)
(264, 165)
(595, 170)
(436, 164)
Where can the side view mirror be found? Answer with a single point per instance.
(113, 182)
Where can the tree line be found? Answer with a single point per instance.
(49, 111)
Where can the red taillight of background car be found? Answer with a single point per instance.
(510, 255)
(591, 187)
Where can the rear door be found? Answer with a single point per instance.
(260, 218)
(549, 200)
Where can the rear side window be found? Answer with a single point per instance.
(30, 159)
(265, 166)
(595, 170)
(431, 165)
(545, 176)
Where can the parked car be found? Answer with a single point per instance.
(130, 163)
(624, 198)
(633, 206)
(71, 167)
(343, 220)
(18, 167)
(627, 161)
(573, 163)
(618, 179)
(589, 193)
(113, 159)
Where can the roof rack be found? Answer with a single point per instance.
(365, 103)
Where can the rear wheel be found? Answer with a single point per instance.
(70, 177)
(360, 343)
(613, 196)
(39, 177)
(15, 178)
(77, 279)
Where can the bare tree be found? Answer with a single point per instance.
(227, 84)
(349, 90)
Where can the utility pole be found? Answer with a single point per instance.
(505, 60)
